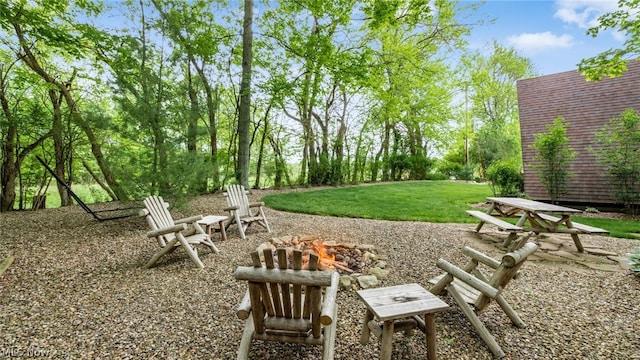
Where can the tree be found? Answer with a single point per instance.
(618, 149)
(553, 157)
(43, 36)
(613, 62)
(22, 127)
(244, 111)
(494, 104)
(192, 26)
(408, 81)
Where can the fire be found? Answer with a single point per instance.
(323, 257)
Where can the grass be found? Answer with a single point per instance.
(89, 194)
(430, 201)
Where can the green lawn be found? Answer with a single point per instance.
(431, 201)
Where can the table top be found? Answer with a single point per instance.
(400, 301)
(531, 205)
(211, 219)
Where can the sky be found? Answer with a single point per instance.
(552, 34)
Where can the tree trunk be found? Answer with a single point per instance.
(192, 125)
(212, 108)
(58, 146)
(244, 113)
(263, 140)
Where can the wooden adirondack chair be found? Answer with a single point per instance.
(288, 305)
(173, 234)
(469, 286)
(240, 210)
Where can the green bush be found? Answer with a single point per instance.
(437, 176)
(553, 157)
(450, 168)
(619, 151)
(505, 179)
(456, 169)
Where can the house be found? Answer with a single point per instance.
(586, 106)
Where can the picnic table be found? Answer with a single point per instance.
(534, 216)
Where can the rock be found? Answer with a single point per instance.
(263, 246)
(366, 247)
(367, 281)
(565, 254)
(379, 273)
(369, 256)
(599, 251)
(602, 267)
(381, 264)
(549, 246)
(345, 282)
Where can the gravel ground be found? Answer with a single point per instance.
(78, 290)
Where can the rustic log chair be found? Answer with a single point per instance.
(469, 286)
(240, 210)
(172, 234)
(288, 305)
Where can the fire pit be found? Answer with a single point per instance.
(356, 263)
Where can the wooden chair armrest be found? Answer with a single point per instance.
(467, 278)
(481, 258)
(256, 204)
(231, 208)
(329, 303)
(189, 220)
(244, 308)
(172, 229)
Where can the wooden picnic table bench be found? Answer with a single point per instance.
(535, 216)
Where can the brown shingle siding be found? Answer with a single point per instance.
(586, 106)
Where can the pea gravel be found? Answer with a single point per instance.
(78, 290)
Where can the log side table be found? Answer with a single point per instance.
(400, 308)
(209, 225)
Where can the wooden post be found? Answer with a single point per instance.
(364, 335)
(387, 340)
(430, 333)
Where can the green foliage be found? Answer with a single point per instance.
(505, 179)
(618, 149)
(493, 142)
(490, 93)
(553, 157)
(420, 166)
(456, 169)
(634, 260)
(613, 62)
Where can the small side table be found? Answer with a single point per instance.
(400, 308)
(209, 221)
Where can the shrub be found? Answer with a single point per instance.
(505, 179)
(450, 168)
(553, 156)
(619, 151)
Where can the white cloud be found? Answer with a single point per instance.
(583, 13)
(532, 43)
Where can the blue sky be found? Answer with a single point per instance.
(550, 33)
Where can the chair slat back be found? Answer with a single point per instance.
(237, 196)
(159, 216)
(283, 299)
(509, 266)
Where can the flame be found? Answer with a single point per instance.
(323, 257)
